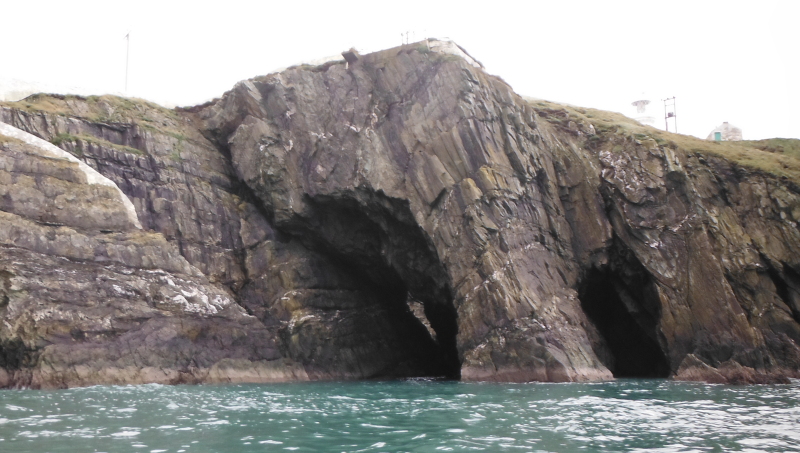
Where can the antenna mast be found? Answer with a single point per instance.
(670, 112)
(127, 59)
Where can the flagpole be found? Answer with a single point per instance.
(127, 60)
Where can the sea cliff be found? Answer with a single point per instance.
(398, 214)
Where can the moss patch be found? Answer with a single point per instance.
(81, 140)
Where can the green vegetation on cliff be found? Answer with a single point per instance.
(79, 141)
(105, 109)
(777, 156)
(785, 146)
(433, 225)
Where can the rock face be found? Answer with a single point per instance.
(86, 297)
(403, 214)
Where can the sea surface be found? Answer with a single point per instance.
(404, 416)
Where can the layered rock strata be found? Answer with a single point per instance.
(87, 298)
(404, 214)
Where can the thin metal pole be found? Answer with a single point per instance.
(127, 60)
(675, 114)
(667, 114)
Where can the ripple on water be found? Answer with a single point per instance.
(629, 415)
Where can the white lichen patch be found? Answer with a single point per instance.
(190, 298)
(120, 291)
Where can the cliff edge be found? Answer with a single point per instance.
(406, 214)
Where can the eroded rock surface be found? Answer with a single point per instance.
(403, 214)
(87, 298)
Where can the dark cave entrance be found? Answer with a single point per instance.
(378, 241)
(621, 300)
(421, 324)
(787, 286)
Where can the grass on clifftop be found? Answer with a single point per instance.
(777, 156)
(105, 109)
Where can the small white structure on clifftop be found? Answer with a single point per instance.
(642, 115)
(450, 47)
(725, 132)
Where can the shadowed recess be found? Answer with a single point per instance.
(377, 239)
(787, 286)
(621, 301)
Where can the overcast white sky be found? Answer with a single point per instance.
(724, 60)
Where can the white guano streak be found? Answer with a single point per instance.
(92, 176)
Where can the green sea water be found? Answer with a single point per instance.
(404, 416)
